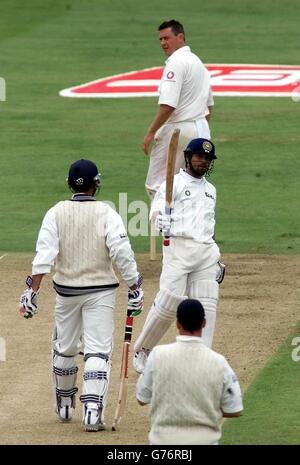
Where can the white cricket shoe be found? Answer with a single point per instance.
(92, 417)
(140, 359)
(65, 411)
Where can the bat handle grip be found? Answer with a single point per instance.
(166, 241)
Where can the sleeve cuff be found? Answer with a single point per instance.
(235, 409)
(143, 399)
(131, 282)
(41, 269)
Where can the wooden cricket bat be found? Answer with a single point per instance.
(152, 241)
(170, 177)
(120, 410)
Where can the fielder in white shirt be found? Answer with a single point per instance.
(82, 237)
(191, 266)
(185, 102)
(189, 386)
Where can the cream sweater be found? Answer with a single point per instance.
(186, 412)
(83, 258)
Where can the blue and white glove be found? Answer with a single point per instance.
(163, 223)
(136, 298)
(136, 301)
(28, 301)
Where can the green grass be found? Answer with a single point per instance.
(46, 46)
(271, 404)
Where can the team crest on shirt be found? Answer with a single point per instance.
(170, 75)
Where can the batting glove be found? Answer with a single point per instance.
(163, 223)
(220, 272)
(28, 301)
(135, 301)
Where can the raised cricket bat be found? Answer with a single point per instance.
(120, 410)
(170, 177)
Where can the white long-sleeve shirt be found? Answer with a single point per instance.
(116, 241)
(193, 207)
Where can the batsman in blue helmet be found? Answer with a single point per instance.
(191, 263)
(82, 238)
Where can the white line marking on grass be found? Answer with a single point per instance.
(2, 256)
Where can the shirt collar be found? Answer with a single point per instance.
(189, 339)
(183, 49)
(82, 197)
(188, 178)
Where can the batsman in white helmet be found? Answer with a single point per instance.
(191, 266)
(82, 237)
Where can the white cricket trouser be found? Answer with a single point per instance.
(90, 316)
(186, 261)
(158, 159)
(189, 269)
(86, 319)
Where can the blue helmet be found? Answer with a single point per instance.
(201, 147)
(83, 174)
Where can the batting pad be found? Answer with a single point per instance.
(96, 379)
(207, 292)
(64, 377)
(159, 319)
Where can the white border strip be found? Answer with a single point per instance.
(68, 93)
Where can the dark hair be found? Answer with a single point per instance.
(176, 26)
(190, 314)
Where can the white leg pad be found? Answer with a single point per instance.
(96, 380)
(159, 319)
(207, 292)
(64, 380)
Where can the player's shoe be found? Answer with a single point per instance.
(140, 359)
(92, 417)
(65, 411)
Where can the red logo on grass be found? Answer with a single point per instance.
(226, 80)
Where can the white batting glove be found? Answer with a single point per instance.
(135, 301)
(163, 223)
(28, 301)
(220, 272)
